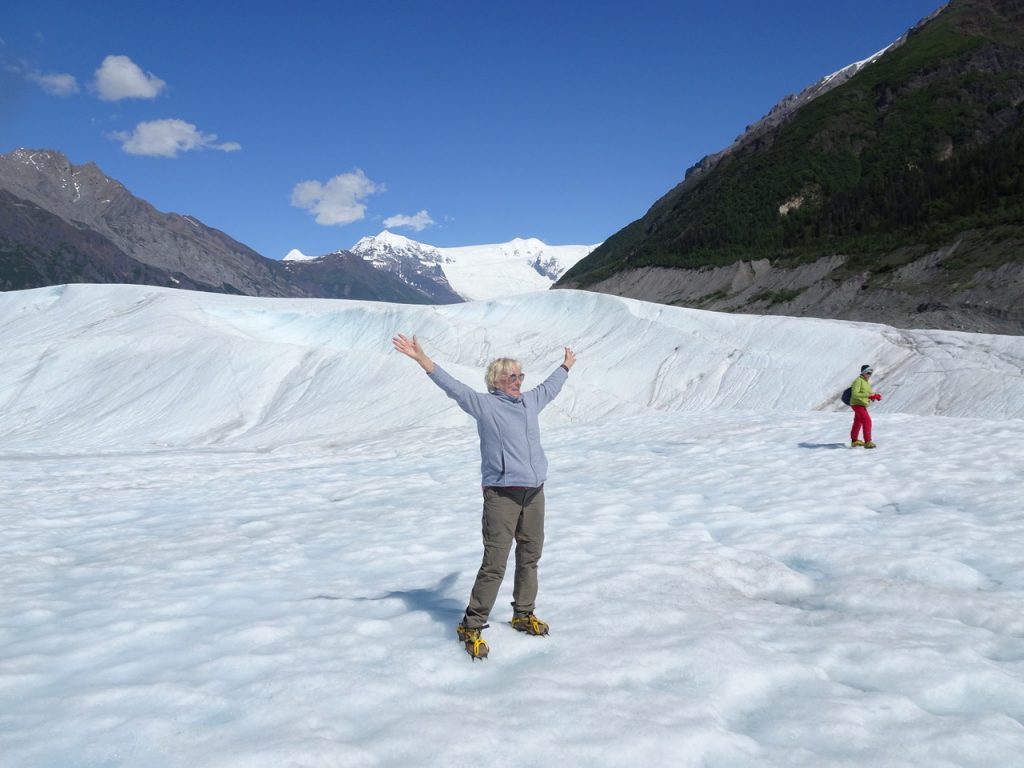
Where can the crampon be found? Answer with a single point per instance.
(476, 646)
(529, 624)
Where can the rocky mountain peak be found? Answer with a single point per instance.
(389, 247)
(46, 177)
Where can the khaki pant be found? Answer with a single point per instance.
(510, 514)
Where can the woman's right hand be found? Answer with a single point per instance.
(411, 348)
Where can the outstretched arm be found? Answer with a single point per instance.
(468, 400)
(548, 389)
(411, 348)
(570, 358)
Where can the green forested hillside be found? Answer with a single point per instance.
(921, 145)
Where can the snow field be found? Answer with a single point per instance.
(240, 533)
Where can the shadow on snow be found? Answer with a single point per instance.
(431, 600)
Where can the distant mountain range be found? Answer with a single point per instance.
(65, 223)
(473, 272)
(891, 191)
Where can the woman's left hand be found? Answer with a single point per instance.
(570, 358)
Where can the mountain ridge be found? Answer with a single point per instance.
(85, 197)
(900, 189)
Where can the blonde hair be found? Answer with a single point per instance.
(498, 368)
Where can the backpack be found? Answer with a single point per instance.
(847, 394)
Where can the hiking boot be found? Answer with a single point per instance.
(529, 624)
(869, 444)
(476, 647)
(856, 443)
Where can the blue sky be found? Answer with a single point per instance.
(453, 123)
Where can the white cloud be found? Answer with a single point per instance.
(120, 78)
(166, 138)
(418, 222)
(55, 85)
(339, 201)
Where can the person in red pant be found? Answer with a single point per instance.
(861, 396)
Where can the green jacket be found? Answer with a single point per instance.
(861, 391)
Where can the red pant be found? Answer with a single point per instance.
(861, 418)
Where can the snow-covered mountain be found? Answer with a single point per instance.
(518, 266)
(473, 272)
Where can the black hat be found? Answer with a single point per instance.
(866, 369)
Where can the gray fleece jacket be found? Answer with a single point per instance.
(510, 452)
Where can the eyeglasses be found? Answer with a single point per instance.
(515, 377)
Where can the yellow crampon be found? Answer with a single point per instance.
(529, 624)
(476, 646)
